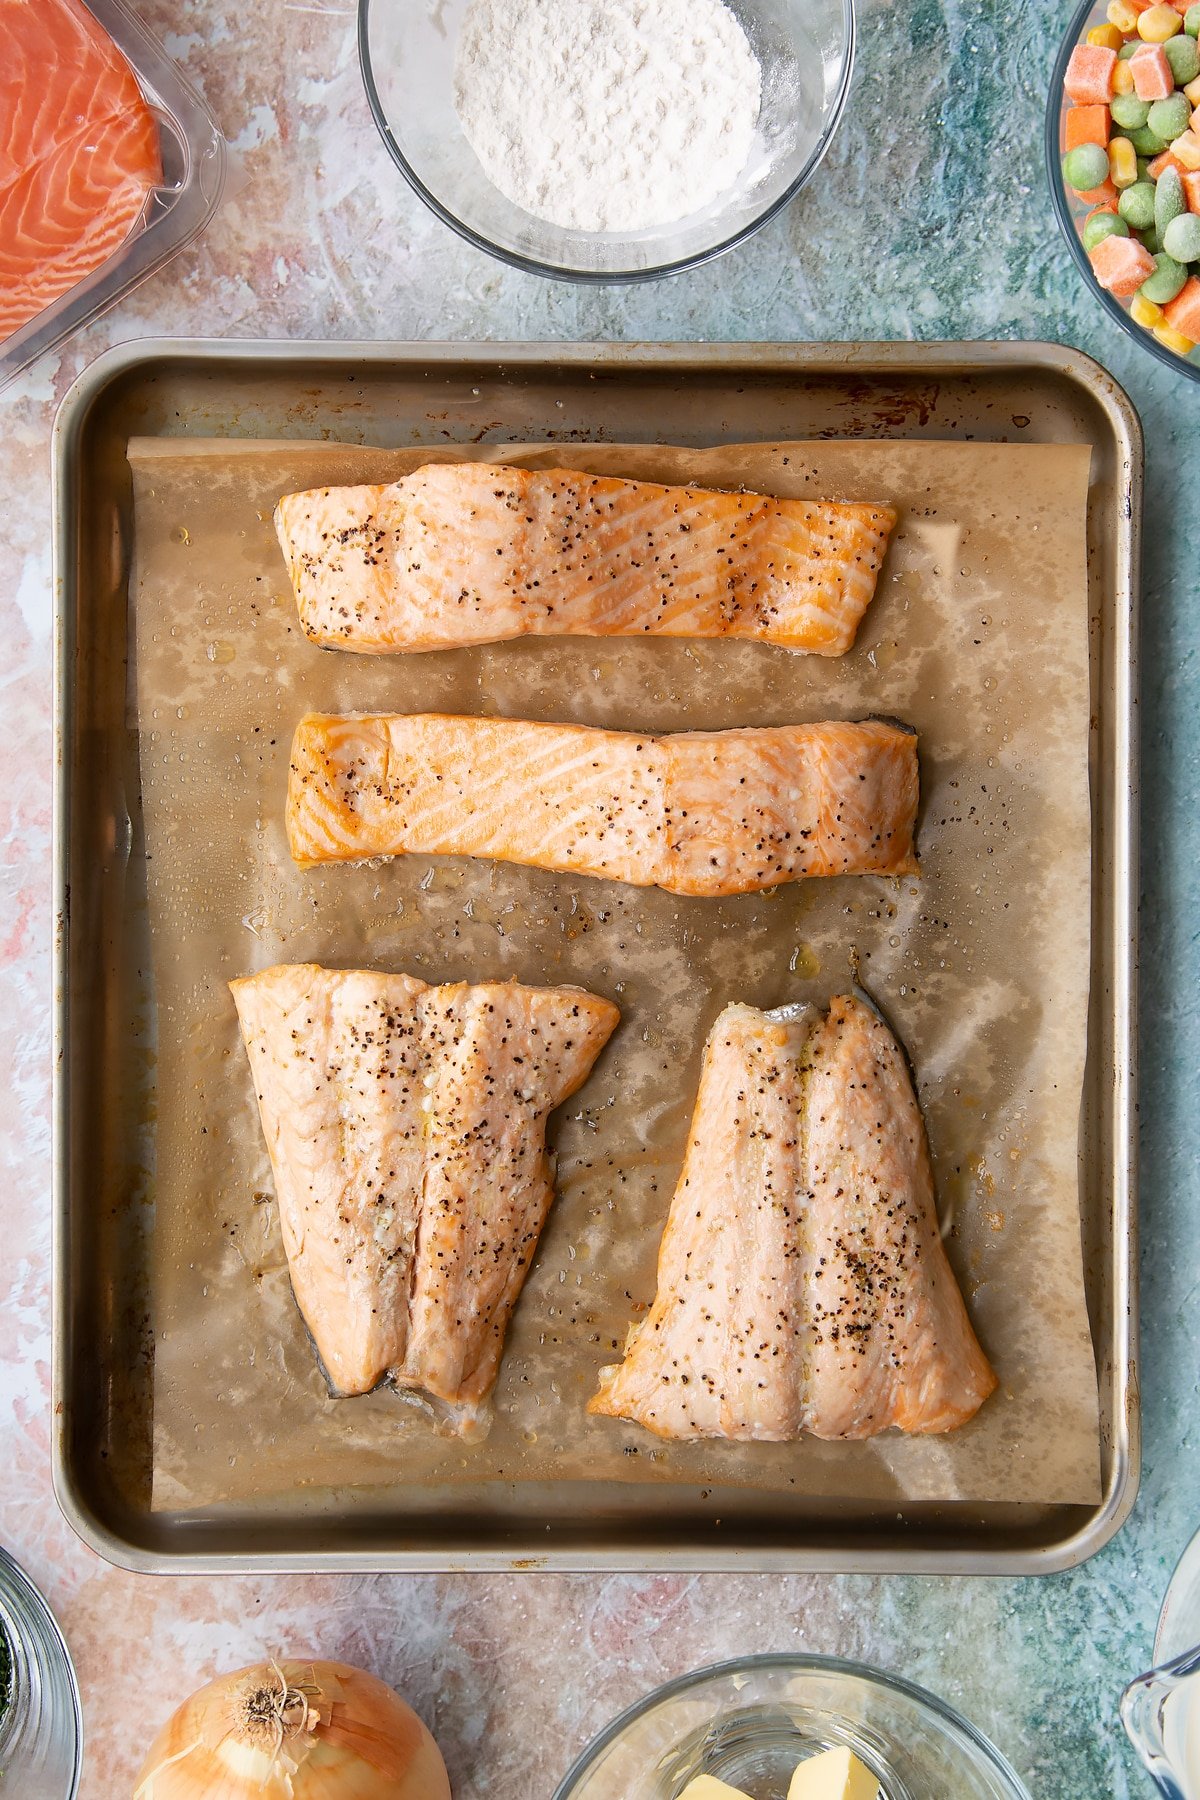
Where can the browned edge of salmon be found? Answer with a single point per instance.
(702, 813)
(474, 553)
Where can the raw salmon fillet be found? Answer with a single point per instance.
(802, 1283)
(703, 812)
(406, 1127)
(474, 553)
(79, 152)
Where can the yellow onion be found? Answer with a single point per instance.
(294, 1731)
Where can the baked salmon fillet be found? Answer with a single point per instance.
(702, 812)
(475, 553)
(406, 1127)
(802, 1283)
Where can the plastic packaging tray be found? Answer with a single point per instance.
(194, 160)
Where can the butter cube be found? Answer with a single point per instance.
(707, 1787)
(833, 1775)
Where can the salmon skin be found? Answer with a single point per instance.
(475, 553)
(79, 152)
(406, 1127)
(702, 812)
(802, 1283)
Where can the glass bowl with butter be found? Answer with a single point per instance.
(760, 1727)
(411, 56)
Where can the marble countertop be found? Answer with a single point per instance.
(930, 219)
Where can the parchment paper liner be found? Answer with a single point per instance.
(977, 637)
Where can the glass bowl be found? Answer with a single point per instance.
(805, 49)
(1161, 1709)
(1071, 212)
(750, 1722)
(41, 1726)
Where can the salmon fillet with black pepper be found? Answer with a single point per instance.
(406, 1127)
(802, 1283)
(702, 812)
(475, 553)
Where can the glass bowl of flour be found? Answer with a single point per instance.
(606, 140)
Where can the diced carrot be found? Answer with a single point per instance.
(1153, 77)
(1088, 125)
(1110, 207)
(1191, 190)
(1089, 75)
(1121, 264)
(1168, 160)
(1183, 312)
(1105, 195)
(1186, 150)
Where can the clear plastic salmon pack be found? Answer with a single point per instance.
(109, 164)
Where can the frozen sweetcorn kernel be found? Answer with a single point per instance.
(1144, 312)
(1158, 23)
(1174, 340)
(1122, 163)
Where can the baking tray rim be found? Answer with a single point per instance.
(878, 357)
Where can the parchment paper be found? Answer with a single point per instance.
(977, 637)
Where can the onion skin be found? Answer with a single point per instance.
(362, 1742)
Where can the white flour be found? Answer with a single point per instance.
(607, 115)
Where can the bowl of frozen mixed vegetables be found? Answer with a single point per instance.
(1123, 143)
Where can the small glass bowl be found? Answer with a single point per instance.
(1160, 1710)
(805, 49)
(41, 1728)
(1071, 211)
(750, 1722)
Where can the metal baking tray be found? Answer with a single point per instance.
(402, 394)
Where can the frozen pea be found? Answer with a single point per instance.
(1170, 118)
(1085, 167)
(1145, 142)
(1102, 225)
(1191, 22)
(1149, 240)
(1129, 112)
(1169, 199)
(1184, 58)
(1143, 169)
(1166, 281)
(1132, 48)
(1136, 205)
(1181, 239)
